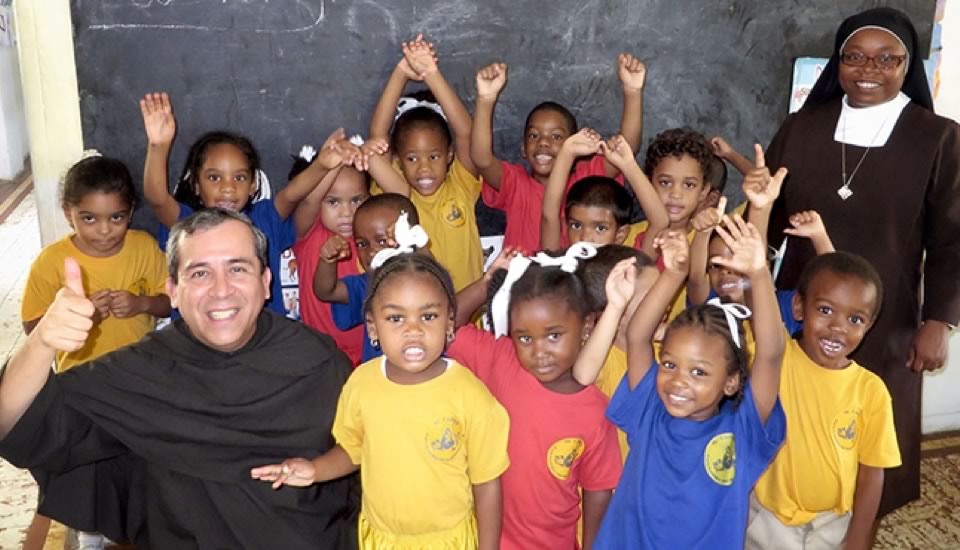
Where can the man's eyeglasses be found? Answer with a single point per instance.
(884, 61)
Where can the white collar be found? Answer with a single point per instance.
(869, 126)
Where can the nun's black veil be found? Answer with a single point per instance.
(914, 84)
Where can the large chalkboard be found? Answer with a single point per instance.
(287, 72)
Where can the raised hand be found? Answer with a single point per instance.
(631, 71)
(584, 142)
(124, 304)
(420, 56)
(371, 148)
(67, 322)
(675, 251)
(491, 80)
(759, 186)
(709, 218)
(336, 248)
(296, 472)
(807, 224)
(502, 261)
(746, 243)
(158, 119)
(720, 147)
(621, 282)
(617, 150)
(332, 154)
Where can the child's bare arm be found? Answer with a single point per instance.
(809, 224)
(594, 507)
(124, 304)
(421, 58)
(161, 126)
(584, 142)
(336, 150)
(762, 190)
(490, 82)
(300, 472)
(749, 258)
(619, 289)
(383, 114)
(676, 258)
(488, 504)
(632, 73)
(698, 285)
(726, 152)
(381, 170)
(472, 297)
(866, 502)
(619, 153)
(326, 286)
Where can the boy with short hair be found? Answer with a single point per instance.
(823, 488)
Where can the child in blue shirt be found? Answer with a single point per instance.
(700, 435)
(373, 230)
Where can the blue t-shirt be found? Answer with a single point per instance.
(280, 236)
(686, 484)
(785, 301)
(348, 315)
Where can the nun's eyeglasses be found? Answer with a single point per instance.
(884, 61)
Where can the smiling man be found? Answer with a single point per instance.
(153, 443)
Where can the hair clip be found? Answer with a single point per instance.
(570, 259)
(407, 103)
(501, 300)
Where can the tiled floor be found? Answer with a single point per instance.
(19, 244)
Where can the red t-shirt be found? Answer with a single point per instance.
(558, 443)
(521, 198)
(313, 312)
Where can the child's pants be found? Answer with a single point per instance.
(766, 532)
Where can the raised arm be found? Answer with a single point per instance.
(584, 142)
(619, 289)
(326, 286)
(698, 285)
(422, 59)
(490, 82)
(727, 153)
(632, 73)
(160, 126)
(619, 152)
(472, 297)
(749, 257)
(676, 258)
(336, 150)
(306, 213)
(809, 225)
(64, 327)
(762, 191)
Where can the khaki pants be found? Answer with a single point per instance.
(766, 532)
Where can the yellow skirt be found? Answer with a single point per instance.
(463, 536)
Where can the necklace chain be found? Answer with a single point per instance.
(844, 190)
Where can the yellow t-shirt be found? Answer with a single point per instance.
(613, 370)
(420, 447)
(450, 220)
(836, 420)
(139, 267)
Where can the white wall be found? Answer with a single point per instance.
(941, 390)
(14, 143)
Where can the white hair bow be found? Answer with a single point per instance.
(500, 304)
(570, 259)
(409, 239)
(307, 153)
(407, 103)
(732, 312)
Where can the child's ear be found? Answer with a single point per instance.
(621, 234)
(451, 327)
(371, 328)
(449, 155)
(796, 304)
(66, 214)
(705, 190)
(732, 385)
(523, 148)
(588, 323)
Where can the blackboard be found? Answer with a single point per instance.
(287, 72)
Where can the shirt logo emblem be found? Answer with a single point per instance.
(444, 438)
(720, 459)
(845, 429)
(562, 455)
